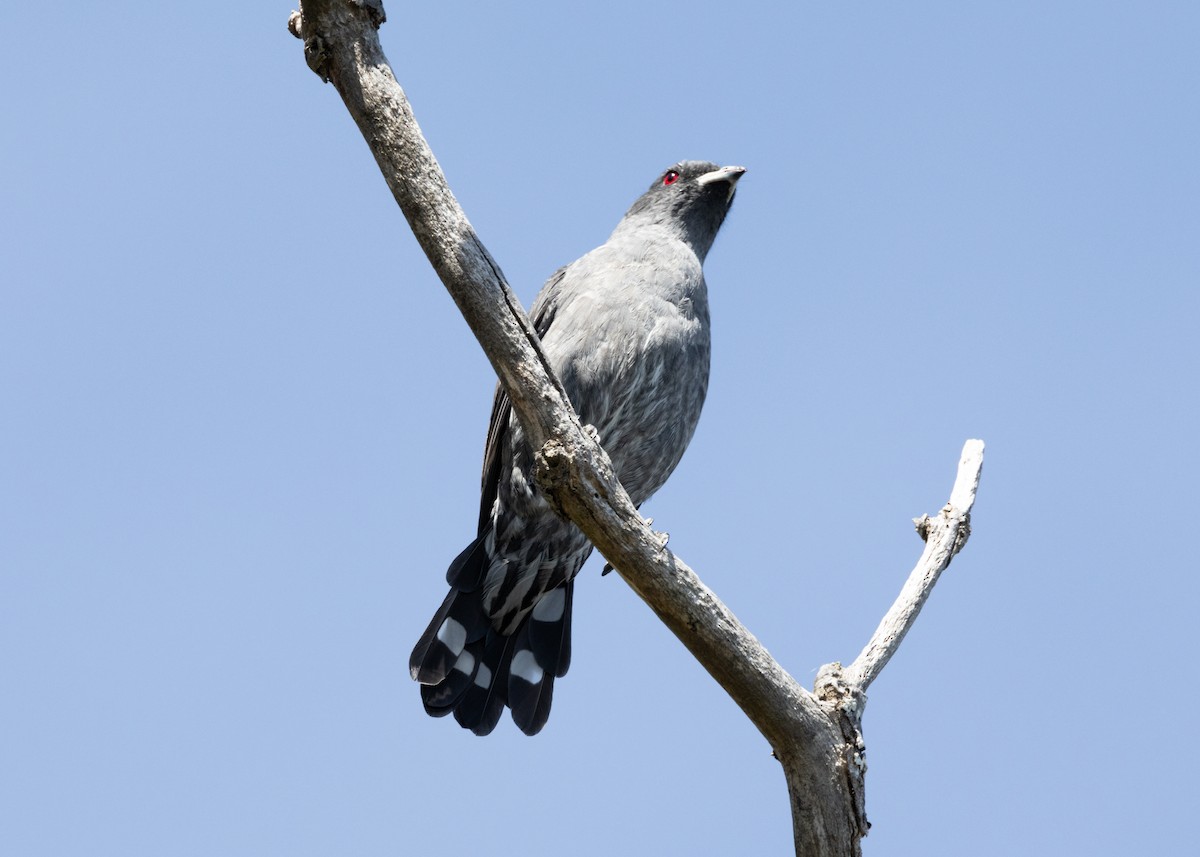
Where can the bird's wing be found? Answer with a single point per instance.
(545, 306)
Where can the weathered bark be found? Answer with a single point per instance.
(816, 737)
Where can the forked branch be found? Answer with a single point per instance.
(807, 734)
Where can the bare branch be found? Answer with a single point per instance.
(816, 740)
(342, 44)
(944, 537)
(844, 690)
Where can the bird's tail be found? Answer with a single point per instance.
(467, 667)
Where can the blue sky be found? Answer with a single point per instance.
(243, 423)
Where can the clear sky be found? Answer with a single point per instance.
(242, 423)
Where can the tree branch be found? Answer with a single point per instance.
(845, 689)
(809, 735)
(944, 537)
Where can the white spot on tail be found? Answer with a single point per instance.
(453, 635)
(525, 666)
(465, 663)
(550, 607)
(483, 678)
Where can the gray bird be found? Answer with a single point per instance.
(626, 329)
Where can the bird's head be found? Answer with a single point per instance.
(692, 198)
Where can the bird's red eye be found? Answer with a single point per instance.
(671, 177)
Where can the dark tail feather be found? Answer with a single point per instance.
(481, 705)
(441, 698)
(466, 572)
(542, 652)
(466, 667)
(550, 630)
(458, 622)
(530, 688)
(461, 663)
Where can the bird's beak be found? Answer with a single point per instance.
(724, 174)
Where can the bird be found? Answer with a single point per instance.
(626, 330)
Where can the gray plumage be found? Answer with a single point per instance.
(626, 329)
